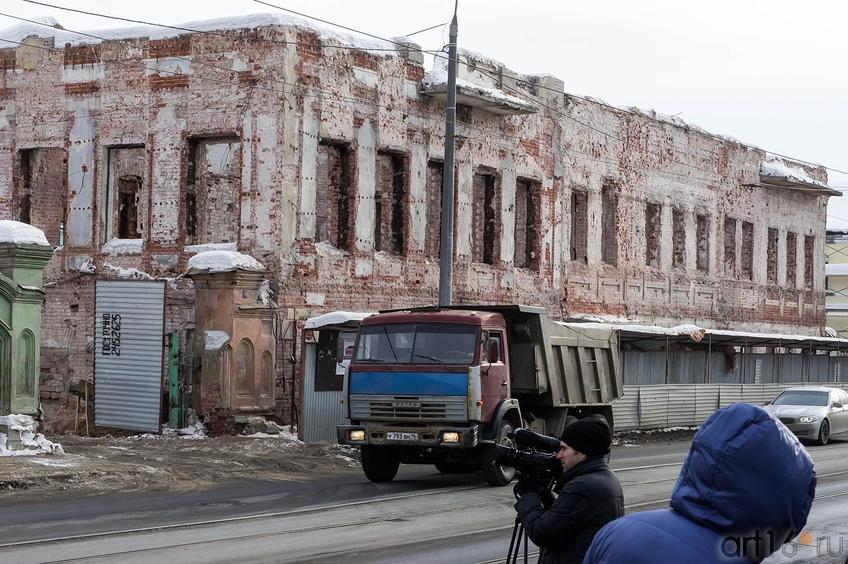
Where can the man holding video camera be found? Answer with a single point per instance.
(589, 495)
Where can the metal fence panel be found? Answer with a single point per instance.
(322, 410)
(681, 405)
(625, 411)
(653, 406)
(129, 331)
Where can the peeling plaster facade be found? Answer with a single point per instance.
(241, 122)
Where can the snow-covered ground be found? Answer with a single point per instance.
(32, 443)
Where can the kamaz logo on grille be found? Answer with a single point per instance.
(415, 404)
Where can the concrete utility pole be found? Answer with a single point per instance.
(446, 240)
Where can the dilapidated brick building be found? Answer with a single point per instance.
(320, 156)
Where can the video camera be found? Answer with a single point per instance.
(534, 456)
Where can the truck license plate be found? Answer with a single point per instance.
(402, 436)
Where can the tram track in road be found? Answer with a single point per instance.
(239, 518)
(163, 545)
(328, 527)
(266, 515)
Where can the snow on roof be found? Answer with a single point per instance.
(123, 247)
(21, 234)
(21, 31)
(774, 167)
(335, 318)
(836, 269)
(194, 249)
(215, 340)
(437, 80)
(697, 334)
(223, 261)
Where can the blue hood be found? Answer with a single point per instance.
(746, 474)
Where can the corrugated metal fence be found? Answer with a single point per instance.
(691, 367)
(128, 357)
(687, 405)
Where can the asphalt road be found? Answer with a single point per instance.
(420, 517)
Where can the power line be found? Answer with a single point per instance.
(520, 93)
(354, 30)
(425, 29)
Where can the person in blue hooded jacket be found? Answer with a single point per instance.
(745, 489)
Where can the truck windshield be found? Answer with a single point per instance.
(417, 343)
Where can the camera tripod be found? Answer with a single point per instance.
(518, 533)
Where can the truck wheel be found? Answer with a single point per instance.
(496, 474)
(380, 464)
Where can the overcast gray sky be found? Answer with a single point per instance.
(767, 72)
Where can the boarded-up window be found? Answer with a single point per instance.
(678, 238)
(609, 222)
(42, 196)
(653, 224)
(771, 256)
(579, 225)
(747, 259)
(433, 187)
(267, 374)
(791, 259)
(126, 199)
(390, 202)
(333, 194)
(213, 186)
(526, 223)
(729, 247)
(809, 262)
(245, 368)
(25, 385)
(485, 227)
(702, 235)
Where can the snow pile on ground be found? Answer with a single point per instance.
(259, 428)
(347, 453)
(223, 261)
(21, 234)
(215, 340)
(777, 168)
(661, 430)
(123, 247)
(33, 443)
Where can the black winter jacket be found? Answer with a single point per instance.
(589, 498)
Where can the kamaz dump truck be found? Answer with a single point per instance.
(442, 385)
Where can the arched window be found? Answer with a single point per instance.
(25, 386)
(267, 374)
(245, 371)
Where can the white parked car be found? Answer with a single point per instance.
(816, 413)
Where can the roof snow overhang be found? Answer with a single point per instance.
(487, 99)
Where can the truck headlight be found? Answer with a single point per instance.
(450, 437)
(807, 419)
(357, 435)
